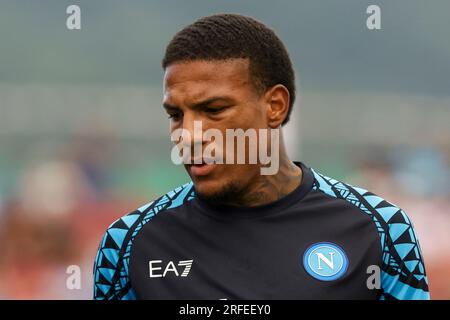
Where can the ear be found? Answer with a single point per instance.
(277, 101)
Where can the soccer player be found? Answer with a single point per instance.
(234, 233)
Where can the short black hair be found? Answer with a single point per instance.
(228, 36)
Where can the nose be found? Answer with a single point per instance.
(194, 131)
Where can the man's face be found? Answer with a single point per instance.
(222, 96)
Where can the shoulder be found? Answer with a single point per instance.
(111, 262)
(389, 219)
(379, 209)
(132, 222)
(403, 270)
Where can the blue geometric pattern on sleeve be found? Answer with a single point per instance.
(111, 279)
(402, 272)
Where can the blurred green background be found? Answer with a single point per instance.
(83, 136)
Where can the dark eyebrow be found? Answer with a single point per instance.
(198, 105)
(205, 103)
(170, 107)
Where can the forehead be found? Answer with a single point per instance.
(199, 79)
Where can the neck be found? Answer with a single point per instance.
(269, 188)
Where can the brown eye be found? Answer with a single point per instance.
(215, 110)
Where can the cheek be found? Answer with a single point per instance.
(252, 116)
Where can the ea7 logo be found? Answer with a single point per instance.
(156, 267)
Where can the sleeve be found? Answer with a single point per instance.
(403, 275)
(111, 279)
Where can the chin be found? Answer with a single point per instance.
(208, 188)
(215, 192)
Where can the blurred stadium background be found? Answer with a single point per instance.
(83, 138)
